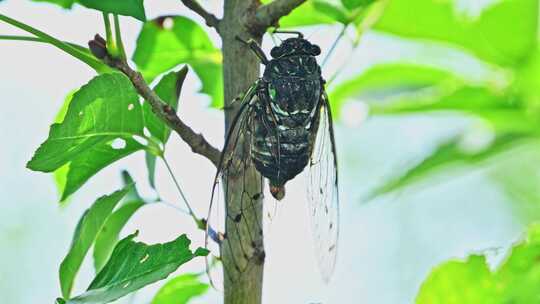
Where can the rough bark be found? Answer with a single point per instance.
(241, 69)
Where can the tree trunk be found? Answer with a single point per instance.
(242, 251)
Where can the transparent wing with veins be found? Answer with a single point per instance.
(235, 158)
(323, 196)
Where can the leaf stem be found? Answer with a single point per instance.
(334, 45)
(21, 38)
(40, 40)
(177, 184)
(86, 58)
(111, 43)
(173, 207)
(107, 24)
(118, 36)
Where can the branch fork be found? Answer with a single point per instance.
(264, 16)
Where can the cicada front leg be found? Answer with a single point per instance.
(256, 48)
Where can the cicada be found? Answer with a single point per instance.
(285, 121)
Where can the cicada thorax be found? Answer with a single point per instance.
(285, 118)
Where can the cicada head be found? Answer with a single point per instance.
(295, 46)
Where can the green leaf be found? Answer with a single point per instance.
(133, 8)
(506, 111)
(60, 174)
(527, 81)
(180, 290)
(76, 51)
(211, 76)
(60, 178)
(134, 265)
(62, 3)
(104, 109)
(354, 4)
(150, 160)
(410, 88)
(471, 281)
(166, 42)
(132, 195)
(331, 10)
(89, 162)
(385, 79)
(518, 176)
(168, 89)
(473, 100)
(87, 229)
(315, 12)
(98, 125)
(99, 128)
(491, 36)
(109, 235)
(451, 153)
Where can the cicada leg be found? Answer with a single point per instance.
(276, 31)
(256, 48)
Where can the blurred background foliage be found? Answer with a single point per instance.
(499, 100)
(515, 280)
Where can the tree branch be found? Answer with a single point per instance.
(210, 19)
(269, 14)
(165, 112)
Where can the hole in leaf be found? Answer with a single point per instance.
(146, 132)
(81, 113)
(118, 144)
(168, 23)
(143, 141)
(144, 259)
(130, 107)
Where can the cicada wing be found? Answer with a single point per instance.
(323, 195)
(235, 158)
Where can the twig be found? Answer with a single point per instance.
(165, 112)
(269, 14)
(210, 19)
(372, 17)
(177, 185)
(334, 45)
(173, 206)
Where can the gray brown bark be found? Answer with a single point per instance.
(241, 68)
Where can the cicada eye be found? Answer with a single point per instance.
(315, 50)
(276, 52)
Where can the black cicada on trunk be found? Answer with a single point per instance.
(284, 119)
